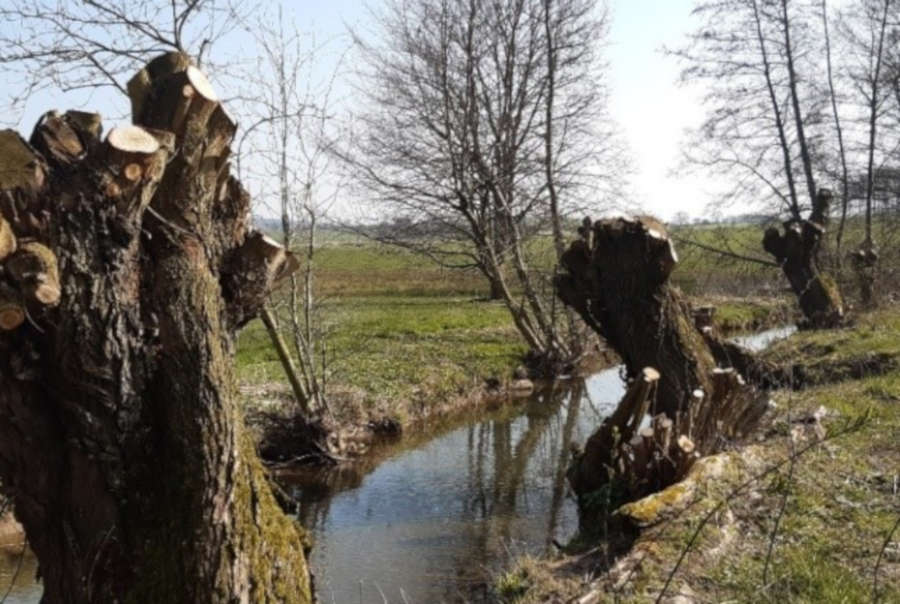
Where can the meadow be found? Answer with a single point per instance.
(402, 332)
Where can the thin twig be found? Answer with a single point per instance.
(887, 541)
(726, 253)
(784, 499)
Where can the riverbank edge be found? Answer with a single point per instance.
(722, 514)
(352, 432)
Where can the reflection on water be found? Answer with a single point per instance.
(427, 524)
(18, 569)
(764, 339)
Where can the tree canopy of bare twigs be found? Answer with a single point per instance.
(290, 113)
(485, 125)
(100, 43)
(799, 97)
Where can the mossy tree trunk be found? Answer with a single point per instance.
(121, 442)
(865, 263)
(795, 249)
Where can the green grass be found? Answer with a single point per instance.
(840, 503)
(400, 332)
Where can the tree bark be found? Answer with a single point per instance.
(795, 250)
(121, 440)
(865, 263)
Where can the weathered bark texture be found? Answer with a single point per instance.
(121, 442)
(795, 249)
(616, 277)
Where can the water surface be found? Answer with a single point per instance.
(433, 520)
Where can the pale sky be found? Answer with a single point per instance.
(651, 109)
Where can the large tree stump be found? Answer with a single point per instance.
(795, 250)
(616, 277)
(121, 442)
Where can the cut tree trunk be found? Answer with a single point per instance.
(616, 276)
(865, 260)
(122, 444)
(795, 250)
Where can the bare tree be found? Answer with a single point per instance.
(486, 128)
(288, 164)
(765, 127)
(864, 28)
(100, 43)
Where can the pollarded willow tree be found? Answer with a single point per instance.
(127, 269)
(486, 126)
(616, 276)
(867, 30)
(799, 99)
(765, 127)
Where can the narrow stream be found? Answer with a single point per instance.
(430, 522)
(432, 519)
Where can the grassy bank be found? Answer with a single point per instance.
(764, 528)
(400, 333)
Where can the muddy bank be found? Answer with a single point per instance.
(347, 432)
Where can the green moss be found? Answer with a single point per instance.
(511, 586)
(654, 508)
(831, 289)
(275, 545)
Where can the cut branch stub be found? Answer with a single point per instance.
(56, 140)
(20, 168)
(65, 139)
(180, 98)
(130, 140)
(141, 85)
(133, 156)
(88, 125)
(12, 310)
(610, 447)
(256, 267)
(34, 268)
(7, 239)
